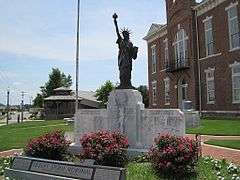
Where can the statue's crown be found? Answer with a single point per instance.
(126, 30)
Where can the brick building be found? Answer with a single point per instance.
(196, 56)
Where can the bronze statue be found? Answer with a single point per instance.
(127, 52)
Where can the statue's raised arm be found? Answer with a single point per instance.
(127, 52)
(115, 16)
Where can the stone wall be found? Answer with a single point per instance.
(89, 120)
(125, 113)
(155, 121)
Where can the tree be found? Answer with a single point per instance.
(38, 101)
(56, 79)
(144, 91)
(103, 92)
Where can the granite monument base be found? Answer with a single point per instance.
(126, 113)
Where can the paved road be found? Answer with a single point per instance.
(14, 117)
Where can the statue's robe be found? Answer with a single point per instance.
(125, 56)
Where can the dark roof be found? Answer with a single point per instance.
(63, 89)
(85, 97)
(89, 95)
(61, 97)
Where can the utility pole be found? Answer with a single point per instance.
(22, 105)
(77, 54)
(8, 93)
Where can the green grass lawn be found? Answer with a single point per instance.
(224, 127)
(17, 135)
(205, 170)
(235, 144)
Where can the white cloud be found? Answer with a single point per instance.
(59, 48)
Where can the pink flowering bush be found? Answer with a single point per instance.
(106, 148)
(49, 146)
(174, 156)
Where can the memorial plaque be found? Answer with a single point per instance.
(105, 174)
(38, 169)
(86, 162)
(62, 169)
(21, 164)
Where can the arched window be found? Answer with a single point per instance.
(180, 47)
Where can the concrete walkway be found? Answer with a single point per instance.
(10, 152)
(231, 155)
(208, 137)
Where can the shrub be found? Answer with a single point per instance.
(49, 146)
(174, 156)
(106, 148)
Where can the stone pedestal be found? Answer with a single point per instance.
(124, 113)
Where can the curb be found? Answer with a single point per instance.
(220, 147)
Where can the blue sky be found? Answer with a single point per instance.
(37, 35)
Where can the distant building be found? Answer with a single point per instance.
(62, 103)
(196, 57)
(2, 109)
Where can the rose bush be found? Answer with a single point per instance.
(106, 148)
(49, 146)
(174, 156)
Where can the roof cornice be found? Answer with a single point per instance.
(207, 5)
(156, 34)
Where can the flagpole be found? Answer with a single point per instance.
(77, 54)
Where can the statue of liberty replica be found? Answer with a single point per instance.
(127, 52)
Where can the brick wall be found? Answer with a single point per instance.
(181, 15)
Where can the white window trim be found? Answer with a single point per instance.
(207, 80)
(234, 74)
(213, 55)
(154, 83)
(232, 5)
(166, 56)
(234, 49)
(165, 80)
(154, 47)
(177, 43)
(208, 18)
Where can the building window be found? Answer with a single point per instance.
(166, 55)
(233, 26)
(180, 47)
(210, 85)
(236, 82)
(167, 91)
(154, 93)
(154, 59)
(208, 35)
